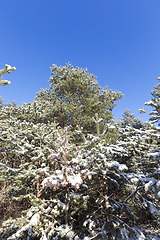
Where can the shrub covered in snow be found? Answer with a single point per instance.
(72, 184)
(72, 192)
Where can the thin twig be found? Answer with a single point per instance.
(137, 189)
(95, 236)
(123, 222)
(124, 203)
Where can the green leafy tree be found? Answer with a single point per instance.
(130, 120)
(74, 97)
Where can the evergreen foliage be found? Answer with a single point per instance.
(130, 120)
(74, 97)
(155, 103)
(6, 69)
(76, 184)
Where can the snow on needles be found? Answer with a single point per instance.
(64, 177)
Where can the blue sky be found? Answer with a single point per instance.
(117, 40)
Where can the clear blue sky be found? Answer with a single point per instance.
(117, 40)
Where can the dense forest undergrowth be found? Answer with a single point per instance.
(69, 171)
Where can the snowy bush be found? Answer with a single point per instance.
(70, 183)
(78, 191)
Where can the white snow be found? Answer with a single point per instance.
(115, 164)
(149, 185)
(34, 220)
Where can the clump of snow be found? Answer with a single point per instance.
(91, 224)
(116, 165)
(61, 204)
(149, 185)
(134, 180)
(65, 176)
(34, 220)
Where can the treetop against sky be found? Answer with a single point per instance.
(117, 41)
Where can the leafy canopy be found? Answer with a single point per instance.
(77, 97)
